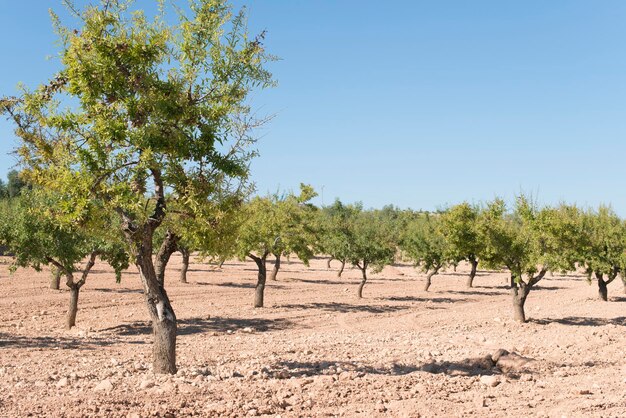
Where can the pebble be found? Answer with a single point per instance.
(104, 386)
(491, 381)
(62, 382)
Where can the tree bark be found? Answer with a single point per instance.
(168, 247)
(624, 284)
(162, 315)
(602, 287)
(140, 236)
(55, 280)
(183, 270)
(519, 293)
(429, 277)
(259, 291)
(328, 263)
(363, 281)
(73, 308)
(274, 271)
(343, 265)
(470, 279)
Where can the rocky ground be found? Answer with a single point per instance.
(315, 350)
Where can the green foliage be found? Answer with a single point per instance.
(35, 239)
(141, 107)
(529, 241)
(334, 232)
(459, 225)
(279, 225)
(372, 243)
(425, 244)
(602, 245)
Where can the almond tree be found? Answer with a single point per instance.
(142, 117)
(36, 240)
(334, 233)
(275, 225)
(603, 247)
(371, 243)
(529, 242)
(460, 228)
(425, 244)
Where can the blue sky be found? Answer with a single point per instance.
(418, 103)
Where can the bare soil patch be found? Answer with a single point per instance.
(315, 350)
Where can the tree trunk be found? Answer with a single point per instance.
(519, 293)
(360, 290)
(276, 268)
(328, 263)
(624, 283)
(470, 279)
(73, 308)
(185, 266)
(168, 247)
(602, 288)
(161, 313)
(343, 265)
(55, 280)
(259, 291)
(429, 276)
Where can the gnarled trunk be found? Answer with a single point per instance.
(328, 263)
(168, 247)
(363, 280)
(429, 277)
(55, 280)
(73, 307)
(274, 271)
(162, 315)
(259, 291)
(519, 294)
(470, 279)
(185, 266)
(603, 291)
(343, 265)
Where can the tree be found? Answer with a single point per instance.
(460, 228)
(371, 243)
(425, 244)
(15, 184)
(275, 225)
(603, 247)
(333, 232)
(152, 115)
(529, 242)
(36, 240)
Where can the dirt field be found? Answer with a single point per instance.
(315, 350)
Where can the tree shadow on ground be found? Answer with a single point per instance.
(344, 307)
(320, 281)
(240, 285)
(425, 300)
(618, 299)
(456, 273)
(582, 321)
(473, 291)
(467, 367)
(113, 290)
(325, 367)
(199, 325)
(21, 341)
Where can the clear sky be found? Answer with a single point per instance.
(417, 103)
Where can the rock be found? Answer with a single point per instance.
(500, 353)
(104, 386)
(584, 392)
(62, 382)
(512, 362)
(248, 330)
(146, 384)
(489, 380)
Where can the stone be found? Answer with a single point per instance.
(146, 384)
(62, 382)
(489, 380)
(104, 386)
